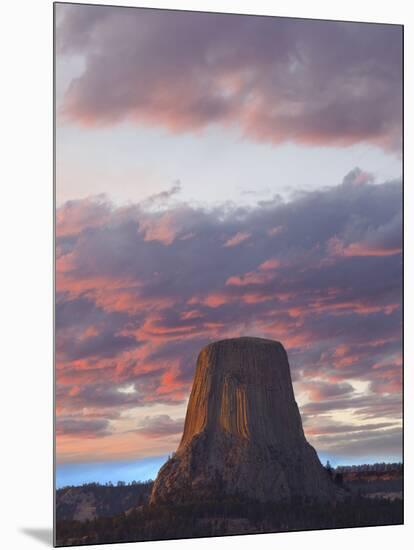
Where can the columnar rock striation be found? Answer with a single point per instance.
(243, 432)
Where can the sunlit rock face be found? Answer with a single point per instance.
(243, 432)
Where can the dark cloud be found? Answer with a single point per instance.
(82, 427)
(102, 395)
(103, 344)
(84, 330)
(276, 79)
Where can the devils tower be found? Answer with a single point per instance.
(243, 432)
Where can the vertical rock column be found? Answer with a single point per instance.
(243, 432)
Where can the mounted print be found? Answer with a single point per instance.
(228, 274)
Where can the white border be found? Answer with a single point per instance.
(26, 273)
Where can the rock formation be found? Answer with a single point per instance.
(243, 432)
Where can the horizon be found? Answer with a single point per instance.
(104, 472)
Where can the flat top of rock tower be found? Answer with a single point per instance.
(244, 340)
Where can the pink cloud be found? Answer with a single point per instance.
(338, 248)
(75, 216)
(363, 249)
(252, 278)
(271, 264)
(237, 239)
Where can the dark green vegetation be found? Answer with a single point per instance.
(228, 517)
(94, 500)
(369, 499)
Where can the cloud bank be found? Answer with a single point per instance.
(140, 290)
(274, 79)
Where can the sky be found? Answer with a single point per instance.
(218, 176)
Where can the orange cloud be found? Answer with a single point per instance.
(363, 249)
(338, 248)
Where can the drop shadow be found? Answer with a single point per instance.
(44, 535)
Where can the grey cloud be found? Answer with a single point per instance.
(363, 404)
(160, 425)
(381, 443)
(82, 427)
(322, 390)
(276, 79)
